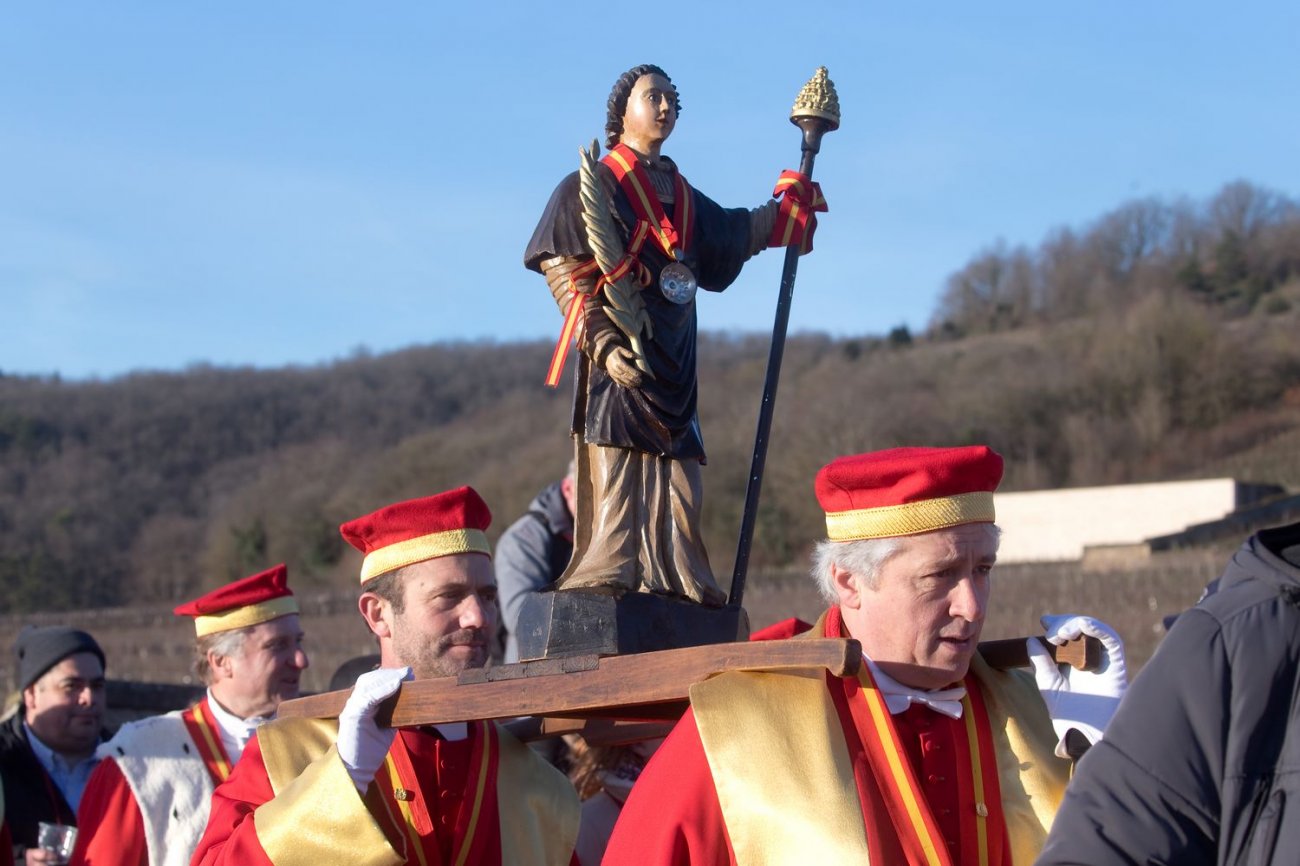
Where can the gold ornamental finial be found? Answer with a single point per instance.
(818, 99)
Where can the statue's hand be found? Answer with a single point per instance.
(620, 364)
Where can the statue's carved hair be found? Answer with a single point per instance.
(618, 95)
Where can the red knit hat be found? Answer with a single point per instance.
(905, 491)
(419, 529)
(259, 598)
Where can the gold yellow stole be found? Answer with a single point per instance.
(784, 777)
(318, 817)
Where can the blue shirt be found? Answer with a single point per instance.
(71, 779)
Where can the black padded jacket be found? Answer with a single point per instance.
(1201, 763)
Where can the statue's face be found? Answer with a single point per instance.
(651, 111)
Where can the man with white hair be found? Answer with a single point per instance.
(147, 802)
(928, 756)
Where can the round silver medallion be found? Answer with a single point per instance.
(677, 283)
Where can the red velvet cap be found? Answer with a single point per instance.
(258, 598)
(418, 529)
(905, 491)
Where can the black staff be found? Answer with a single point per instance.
(817, 112)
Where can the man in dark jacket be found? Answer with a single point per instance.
(47, 749)
(533, 552)
(1201, 763)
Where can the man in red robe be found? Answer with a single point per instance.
(312, 791)
(146, 804)
(929, 756)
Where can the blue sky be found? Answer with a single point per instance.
(284, 183)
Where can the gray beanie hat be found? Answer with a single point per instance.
(41, 648)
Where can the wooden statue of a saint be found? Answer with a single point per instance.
(637, 432)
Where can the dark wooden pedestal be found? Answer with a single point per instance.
(581, 622)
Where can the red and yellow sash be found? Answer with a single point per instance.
(203, 730)
(474, 838)
(573, 320)
(674, 239)
(982, 830)
(801, 201)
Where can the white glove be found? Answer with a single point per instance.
(1082, 700)
(362, 743)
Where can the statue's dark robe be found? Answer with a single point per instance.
(660, 416)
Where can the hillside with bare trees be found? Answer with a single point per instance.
(1159, 342)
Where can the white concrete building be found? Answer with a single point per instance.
(1053, 525)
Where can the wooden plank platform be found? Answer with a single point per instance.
(599, 695)
(642, 686)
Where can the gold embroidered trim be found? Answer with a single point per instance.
(414, 550)
(910, 517)
(242, 617)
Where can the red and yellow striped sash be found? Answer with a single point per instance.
(981, 839)
(405, 795)
(577, 302)
(674, 236)
(203, 731)
(801, 201)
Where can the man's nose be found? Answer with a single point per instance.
(300, 660)
(473, 614)
(967, 600)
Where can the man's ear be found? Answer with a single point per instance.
(221, 666)
(848, 588)
(377, 613)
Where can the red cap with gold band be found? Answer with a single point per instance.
(906, 491)
(418, 529)
(259, 598)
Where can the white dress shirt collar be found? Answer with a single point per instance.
(235, 732)
(899, 697)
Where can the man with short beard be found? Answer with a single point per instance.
(147, 802)
(348, 791)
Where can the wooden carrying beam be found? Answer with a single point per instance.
(1082, 653)
(645, 686)
(642, 687)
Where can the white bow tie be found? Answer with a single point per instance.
(899, 697)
